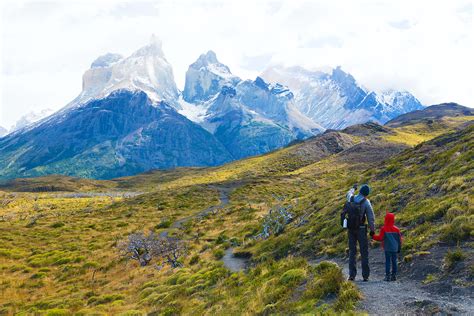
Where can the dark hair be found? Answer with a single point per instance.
(365, 190)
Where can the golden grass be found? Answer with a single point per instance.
(414, 134)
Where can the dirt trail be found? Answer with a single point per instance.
(224, 193)
(404, 296)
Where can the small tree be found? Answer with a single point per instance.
(172, 250)
(144, 248)
(275, 221)
(137, 247)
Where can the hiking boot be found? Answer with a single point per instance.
(387, 278)
(351, 278)
(393, 277)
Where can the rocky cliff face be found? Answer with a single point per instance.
(206, 77)
(255, 117)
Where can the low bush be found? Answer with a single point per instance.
(453, 257)
(218, 253)
(293, 277)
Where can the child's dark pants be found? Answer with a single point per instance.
(390, 260)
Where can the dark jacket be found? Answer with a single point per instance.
(390, 235)
(366, 207)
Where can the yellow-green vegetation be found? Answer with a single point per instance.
(420, 132)
(58, 250)
(453, 257)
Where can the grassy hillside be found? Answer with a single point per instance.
(58, 247)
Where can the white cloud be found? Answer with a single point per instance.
(422, 46)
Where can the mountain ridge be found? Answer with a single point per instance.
(334, 99)
(240, 118)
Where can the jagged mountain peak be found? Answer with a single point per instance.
(106, 60)
(273, 88)
(206, 77)
(154, 47)
(145, 70)
(334, 98)
(208, 58)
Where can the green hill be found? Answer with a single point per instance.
(58, 247)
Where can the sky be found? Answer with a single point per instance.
(425, 47)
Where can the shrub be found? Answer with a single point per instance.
(221, 239)
(327, 280)
(347, 298)
(430, 278)
(218, 253)
(104, 299)
(461, 228)
(38, 275)
(275, 221)
(452, 257)
(11, 253)
(164, 224)
(194, 259)
(293, 277)
(144, 248)
(57, 225)
(56, 312)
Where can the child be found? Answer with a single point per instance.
(391, 239)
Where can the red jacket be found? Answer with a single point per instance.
(390, 235)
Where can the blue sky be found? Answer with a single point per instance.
(425, 47)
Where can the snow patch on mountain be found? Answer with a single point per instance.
(194, 112)
(145, 70)
(334, 99)
(3, 131)
(30, 118)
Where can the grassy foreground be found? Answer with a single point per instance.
(59, 235)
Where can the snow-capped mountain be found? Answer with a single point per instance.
(145, 70)
(254, 117)
(206, 77)
(30, 118)
(398, 102)
(3, 131)
(334, 99)
(248, 117)
(130, 116)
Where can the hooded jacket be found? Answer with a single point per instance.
(390, 235)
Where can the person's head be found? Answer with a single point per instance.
(365, 190)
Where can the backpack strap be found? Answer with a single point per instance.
(363, 212)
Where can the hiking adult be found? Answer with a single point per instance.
(358, 214)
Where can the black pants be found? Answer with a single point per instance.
(361, 237)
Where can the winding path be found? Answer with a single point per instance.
(224, 193)
(404, 296)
